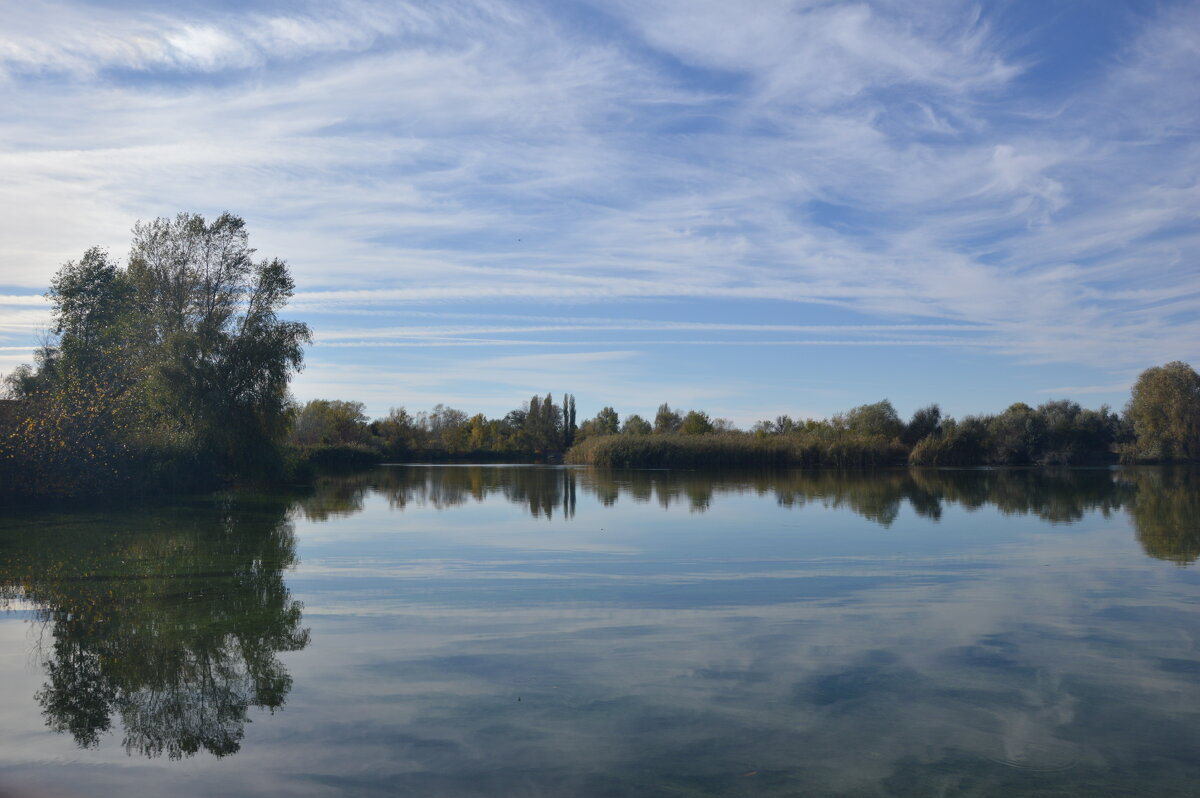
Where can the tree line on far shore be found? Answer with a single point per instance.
(1161, 423)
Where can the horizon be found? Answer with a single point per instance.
(796, 211)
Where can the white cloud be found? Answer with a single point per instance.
(880, 159)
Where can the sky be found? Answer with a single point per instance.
(747, 208)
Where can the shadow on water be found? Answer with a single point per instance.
(1163, 503)
(169, 620)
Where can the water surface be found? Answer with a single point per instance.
(489, 631)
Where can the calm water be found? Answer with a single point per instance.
(523, 631)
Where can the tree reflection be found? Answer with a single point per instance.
(1163, 503)
(543, 491)
(1166, 513)
(170, 621)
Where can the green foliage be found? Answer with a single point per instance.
(342, 456)
(876, 419)
(569, 425)
(696, 422)
(666, 420)
(960, 443)
(216, 358)
(722, 449)
(636, 425)
(177, 358)
(1057, 432)
(92, 303)
(1165, 413)
(398, 434)
(781, 425)
(534, 431)
(607, 422)
(543, 425)
(924, 422)
(330, 422)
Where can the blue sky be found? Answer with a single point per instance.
(750, 208)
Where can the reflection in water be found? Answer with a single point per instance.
(752, 641)
(543, 491)
(1163, 503)
(169, 619)
(532, 631)
(1166, 513)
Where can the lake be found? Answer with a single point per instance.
(546, 631)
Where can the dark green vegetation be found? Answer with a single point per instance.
(338, 433)
(167, 624)
(1160, 424)
(728, 449)
(168, 371)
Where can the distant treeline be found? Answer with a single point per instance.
(332, 432)
(1161, 423)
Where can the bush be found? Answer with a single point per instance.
(339, 456)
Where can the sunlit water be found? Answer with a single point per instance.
(491, 631)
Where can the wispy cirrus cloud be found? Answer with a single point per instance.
(878, 163)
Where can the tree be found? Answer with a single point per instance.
(569, 425)
(607, 422)
(543, 424)
(782, 425)
(875, 419)
(552, 424)
(331, 422)
(636, 425)
(924, 422)
(205, 329)
(1015, 435)
(448, 427)
(1165, 412)
(666, 420)
(91, 301)
(696, 422)
(399, 432)
(186, 334)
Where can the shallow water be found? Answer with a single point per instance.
(494, 631)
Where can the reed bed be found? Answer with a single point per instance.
(729, 449)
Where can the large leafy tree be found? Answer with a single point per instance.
(666, 420)
(1165, 413)
(636, 425)
(607, 422)
(696, 422)
(184, 341)
(874, 419)
(214, 352)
